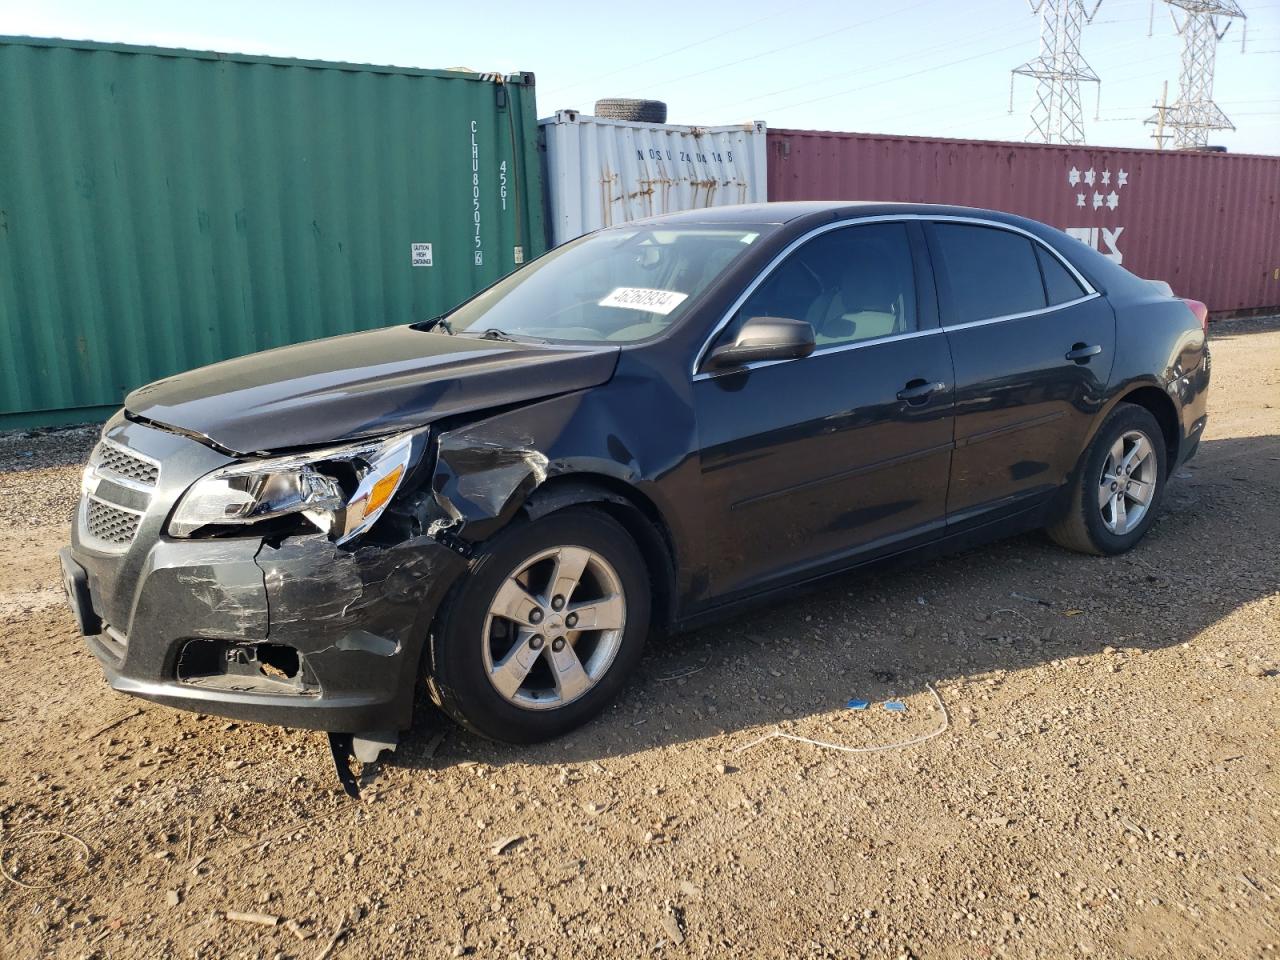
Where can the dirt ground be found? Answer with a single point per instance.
(1106, 784)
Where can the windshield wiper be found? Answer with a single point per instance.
(434, 322)
(493, 333)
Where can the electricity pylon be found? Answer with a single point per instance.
(1194, 114)
(1057, 116)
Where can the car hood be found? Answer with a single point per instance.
(361, 385)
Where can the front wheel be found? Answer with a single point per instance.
(1118, 487)
(545, 630)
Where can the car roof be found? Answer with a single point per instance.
(802, 215)
(822, 211)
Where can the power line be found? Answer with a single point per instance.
(1260, 100)
(663, 56)
(948, 107)
(812, 82)
(905, 76)
(1110, 49)
(789, 46)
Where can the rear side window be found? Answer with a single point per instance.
(1059, 284)
(992, 272)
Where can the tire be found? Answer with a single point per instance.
(640, 111)
(1086, 527)
(472, 648)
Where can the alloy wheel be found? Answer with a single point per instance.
(554, 628)
(1128, 482)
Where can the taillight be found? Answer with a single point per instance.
(1201, 312)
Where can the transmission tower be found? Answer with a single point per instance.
(1057, 116)
(1194, 114)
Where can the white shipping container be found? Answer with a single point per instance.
(603, 172)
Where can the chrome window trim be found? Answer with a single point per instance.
(1018, 316)
(1090, 291)
(835, 348)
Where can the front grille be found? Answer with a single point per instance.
(122, 463)
(111, 523)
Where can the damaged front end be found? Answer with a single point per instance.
(300, 588)
(275, 619)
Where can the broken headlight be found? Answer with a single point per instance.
(340, 490)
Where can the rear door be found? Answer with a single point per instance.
(1033, 346)
(809, 462)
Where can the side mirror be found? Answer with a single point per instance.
(765, 338)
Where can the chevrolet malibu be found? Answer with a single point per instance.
(644, 429)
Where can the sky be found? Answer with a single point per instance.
(923, 67)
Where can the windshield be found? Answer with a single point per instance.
(618, 285)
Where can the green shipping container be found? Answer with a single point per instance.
(163, 209)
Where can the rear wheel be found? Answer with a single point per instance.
(545, 630)
(1118, 488)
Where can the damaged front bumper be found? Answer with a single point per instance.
(298, 632)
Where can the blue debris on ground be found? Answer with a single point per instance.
(895, 706)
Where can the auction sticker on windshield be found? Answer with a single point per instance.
(641, 298)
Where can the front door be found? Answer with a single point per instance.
(807, 463)
(1033, 349)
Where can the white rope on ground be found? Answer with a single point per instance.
(779, 735)
(61, 835)
(687, 673)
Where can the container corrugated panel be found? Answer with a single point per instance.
(1207, 223)
(603, 172)
(162, 209)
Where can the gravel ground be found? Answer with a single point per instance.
(1104, 783)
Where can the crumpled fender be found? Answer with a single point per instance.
(486, 470)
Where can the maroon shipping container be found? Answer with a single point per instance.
(1207, 223)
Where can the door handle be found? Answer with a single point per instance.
(919, 390)
(1081, 352)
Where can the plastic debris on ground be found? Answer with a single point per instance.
(893, 706)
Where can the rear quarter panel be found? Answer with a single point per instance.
(1159, 342)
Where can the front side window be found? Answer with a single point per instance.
(852, 284)
(619, 285)
(992, 272)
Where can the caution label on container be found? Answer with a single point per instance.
(420, 254)
(641, 298)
